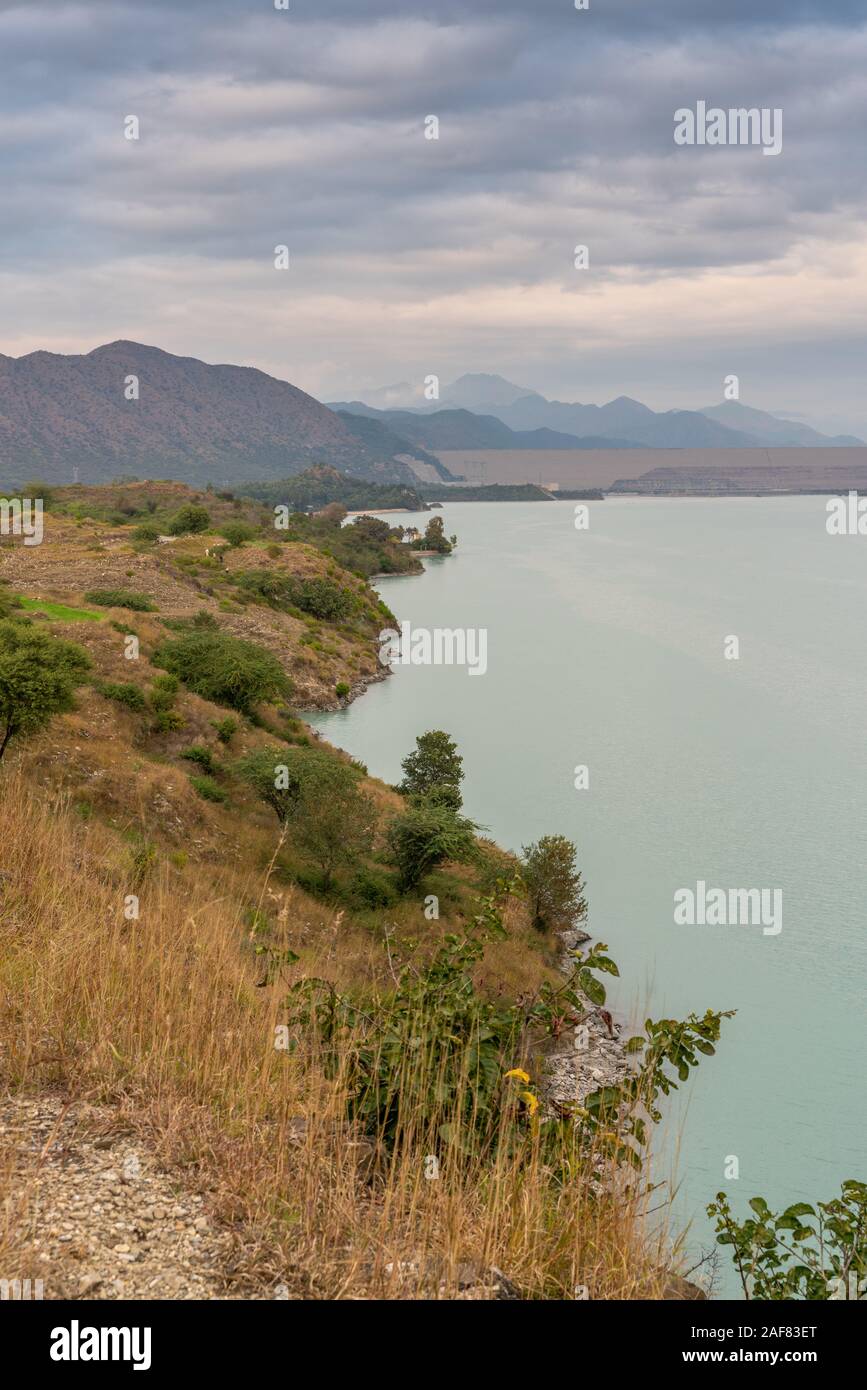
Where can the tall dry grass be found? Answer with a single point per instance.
(166, 1020)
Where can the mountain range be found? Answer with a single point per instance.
(67, 417)
(621, 423)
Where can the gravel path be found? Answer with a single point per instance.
(96, 1218)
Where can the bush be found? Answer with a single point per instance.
(321, 598)
(147, 531)
(371, 890)
(237, 532)
(163, 694)
(223, 668)
(208, 789)
(38, 674)
(426, 835)
(342, 689)
(201, 755)
(124, 693)
(225, 728)
(120, 598)
(189, 519)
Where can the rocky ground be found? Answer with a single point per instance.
(95, 1216)
(590, 1055)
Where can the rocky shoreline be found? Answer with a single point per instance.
(590, 1055)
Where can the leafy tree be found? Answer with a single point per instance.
(189, 519)
(38, 674)
(434, 769)
(267, 771)
(428, 834)
(554, 886)
(815, 1253)
(223, 668)
(434, 538)
(333, 819)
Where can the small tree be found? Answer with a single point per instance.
(38, 674)
(426, 835)
(333, 819)
(189, 519)
(434, 537)
(554, 886)
(268, 772)
(434, 769)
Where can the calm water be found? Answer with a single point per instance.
(605, 648)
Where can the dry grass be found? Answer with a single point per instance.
(163, 1019)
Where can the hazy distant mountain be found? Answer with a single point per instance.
(193, 422)
(444, 430)
(775, 429)
(624, 422)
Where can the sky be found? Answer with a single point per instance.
(410, 256)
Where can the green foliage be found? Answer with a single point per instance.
(225, 728)
(428, 834)
(268, 772)
(147, 531)
(201, 755)
(815, 1253)
(333, 819)
(434, 769)
(10, 604)
(162, 696)
(120, 598)
(554, 885)
(320, 485)
(342, 689)
(434, 538)
(38, 674)
(319, 597)
(124, 693)
(237, 532)
(189, 519)
(371, 890)
(223, 668)
(207, 789)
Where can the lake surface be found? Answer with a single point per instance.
(605, 648)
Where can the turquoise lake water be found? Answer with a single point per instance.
(605, 648)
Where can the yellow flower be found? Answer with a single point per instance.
(531, 1101)
(521, 1075)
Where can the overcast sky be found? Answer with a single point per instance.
(411, 256)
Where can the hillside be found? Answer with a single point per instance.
(192, 421)
(252, 1034)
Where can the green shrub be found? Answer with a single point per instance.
(121, 598)
(124, 693)
(189, 520)
(223, 668)
(225, 728)
(321, 598)
(201, 755)
(237, 532)
(372, 890)
(38, 674)
(162, 696)
(426, 835)
(342, 689)
(208, 789)
(554, 885)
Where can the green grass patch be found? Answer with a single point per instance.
(60, 612)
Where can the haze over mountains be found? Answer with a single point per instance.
(192, 421)
(621, 423)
